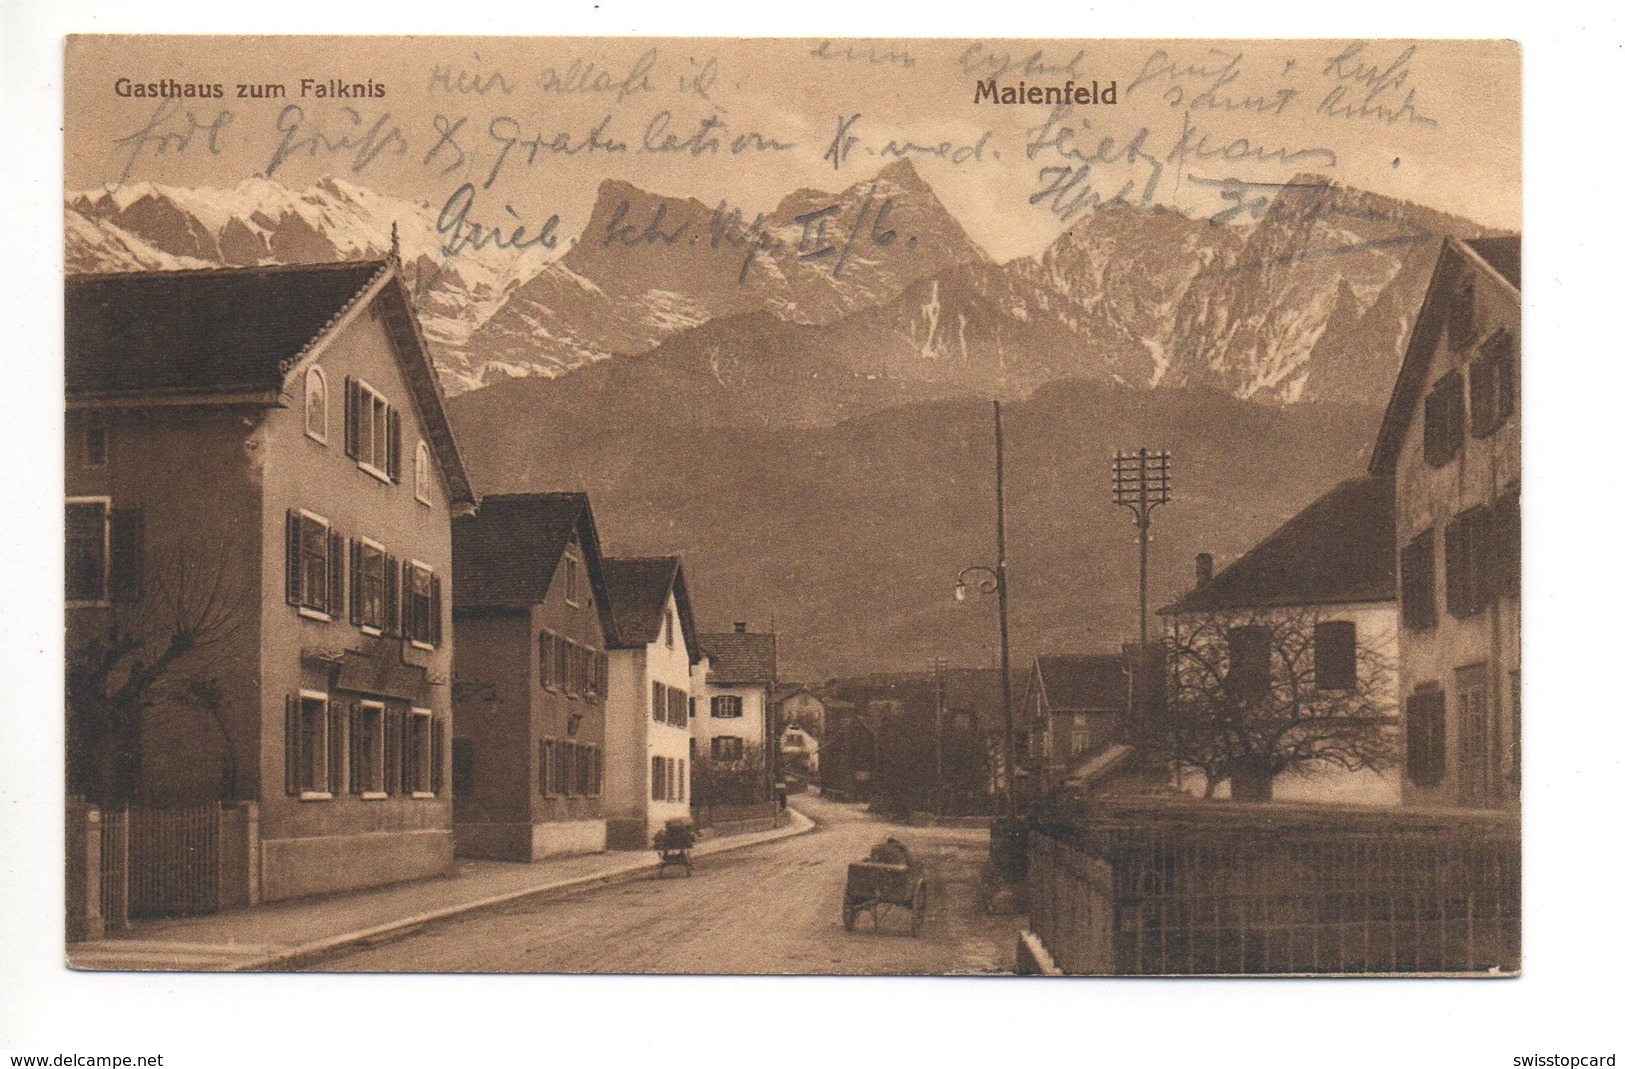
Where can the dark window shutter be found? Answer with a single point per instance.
(355, 580)
(352, 417)
(124, 559)
(394, 444)
(1459, 325)
(392, 753)
(1249, 675)
(293, 563)
(437, 754)
(1481, 374)
(1417, 583)
(335, 747)
(1424, 738)
(1505, 355)
(290, 745)
(392, 596)
(357, 774)
(435, 611)
(335, 574)
(1335, 655)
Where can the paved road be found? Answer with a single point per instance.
(774, 908)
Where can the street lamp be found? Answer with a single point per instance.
(996, 580)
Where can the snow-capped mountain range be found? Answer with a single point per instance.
(877, 283)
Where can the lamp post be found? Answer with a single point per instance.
(995, 580)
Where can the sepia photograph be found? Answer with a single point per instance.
(792, 506)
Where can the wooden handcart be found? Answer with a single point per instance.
(889, 879)
(673, 843)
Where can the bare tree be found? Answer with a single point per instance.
(740, 781)
(1255, 695)
(161, 649)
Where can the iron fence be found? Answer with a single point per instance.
(174, 860)
(1222, 889)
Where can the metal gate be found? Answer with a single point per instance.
(114, 853)
(174, 860)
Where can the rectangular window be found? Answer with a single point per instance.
(1443, 420)
(372, 431)
(367, 750)
(727, 707)
(1249, 676)
(657, 779)
(87, 550)
(1492, 385)
(657, 702)
(727, 748)
(1416, 599)
(95, 445)
(1424, 737)
(676, 708)
(315, 565)
(1335, 655)
(307, 740)
(419, 760)
(682, 780)
(368, 566)
(420, 615)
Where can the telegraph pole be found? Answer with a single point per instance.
(1141, 480)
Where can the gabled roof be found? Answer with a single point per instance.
(505, 557)
(235, 334)
(1083, 683)
(1339, 549)
(1498, 258)
(634, 608)
(741, 657)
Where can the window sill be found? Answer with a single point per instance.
(381, 476)
(320, 439)
(422, 794)
(90, 605)
(315, 796)
(373, 796)
(368, 629)
(314, 614)
(421, 645)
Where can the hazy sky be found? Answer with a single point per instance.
(533, 123)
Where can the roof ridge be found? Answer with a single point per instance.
(226, 269)
(385, 268)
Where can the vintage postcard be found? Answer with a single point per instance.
(801, 506)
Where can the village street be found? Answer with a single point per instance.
(774, 908)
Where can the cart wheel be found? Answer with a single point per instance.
(917, 921)
(849, 915)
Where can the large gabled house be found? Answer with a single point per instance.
(1299, 625)
(532, 680)
(1451, 443)
(653, 648)
(261, 479)
(733, 709)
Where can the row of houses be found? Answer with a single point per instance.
(283, 593)
(1393, 596)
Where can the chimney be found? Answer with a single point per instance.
(739, 627)
(1204, 569)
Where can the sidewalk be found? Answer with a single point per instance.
(269, 936)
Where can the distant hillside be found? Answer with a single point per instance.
(848, 535)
